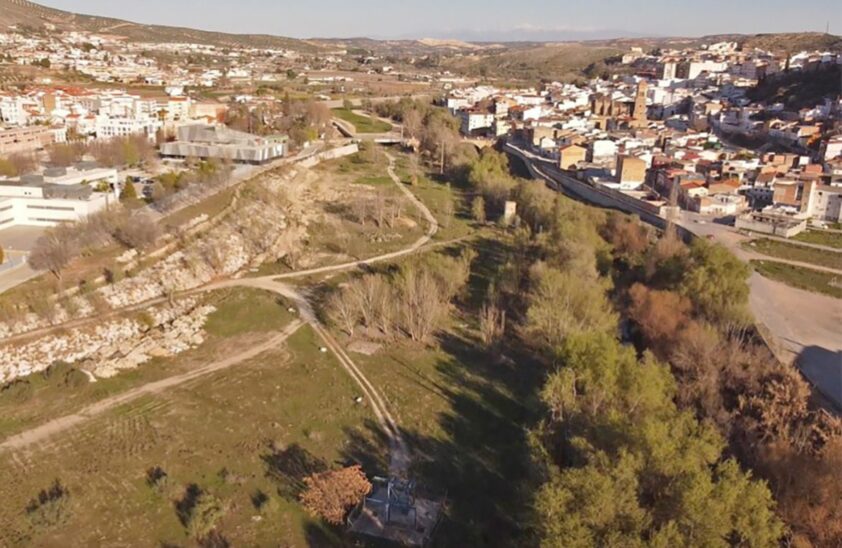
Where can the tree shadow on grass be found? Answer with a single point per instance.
(481, 458)
(288, 467)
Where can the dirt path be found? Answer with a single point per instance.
(61, 424)
(400, 455)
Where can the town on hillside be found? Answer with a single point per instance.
(543, 284)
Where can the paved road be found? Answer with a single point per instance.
(17, 242)
(400, 455)
(806, 327)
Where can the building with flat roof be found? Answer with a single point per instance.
(221, 143)
(772, 221)
(34, 203)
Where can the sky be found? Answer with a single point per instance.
(474, 19)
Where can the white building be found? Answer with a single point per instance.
(603, 149)
(12, 111)
(108, 128)
(475, 120)
(43, 204)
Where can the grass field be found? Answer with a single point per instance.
(243, 316)
(247, 435)
(820, 237)
(802, 278)
(795, 252)
(364, 124)
(447, 203)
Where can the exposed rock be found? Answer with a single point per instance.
(114, 345)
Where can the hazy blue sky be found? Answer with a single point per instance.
(475, 19)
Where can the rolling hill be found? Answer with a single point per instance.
(534, 62)
(32, 16)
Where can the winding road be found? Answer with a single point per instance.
(400, 456)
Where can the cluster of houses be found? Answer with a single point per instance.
(664, 129)
(109, 58)
(39, 117)
(34, 120)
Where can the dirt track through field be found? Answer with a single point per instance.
(400, 457)
(53, 427)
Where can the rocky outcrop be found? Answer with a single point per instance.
(114, 345)
(257, 230)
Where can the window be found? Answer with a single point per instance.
(54, 208)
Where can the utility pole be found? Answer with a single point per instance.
(441, 164)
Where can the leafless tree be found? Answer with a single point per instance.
(385, 310)
(395, 212)
(492, 324)
(213, 255)
(360, 210)
(343, 311)
(422, 305)
(53, 251)
(66, 154)
(447, 212)
(379, 203)
(23, 163)
(412, 123)
(138, 232)
(367, 293)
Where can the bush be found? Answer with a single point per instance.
(50, 507)
(157, 479)
(56, 371)
(330, 495)
(64, 374)
(75, 378)
(199, 511)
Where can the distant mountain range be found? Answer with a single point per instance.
(25, 14)
(528, 33)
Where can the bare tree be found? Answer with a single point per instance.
(412, 123)
(138, 232)
(66, 154)
(492, 324)
(53, 251)
(213, 255)
(447, 212)
(385, 310)
(379, 203)
(23, 163)
(422, 305)
(343, 311)
(366, 293)
(395, 212)
(361, 210)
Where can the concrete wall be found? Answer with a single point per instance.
(331, 154)
(599, 196)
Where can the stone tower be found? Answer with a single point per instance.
(639, 113)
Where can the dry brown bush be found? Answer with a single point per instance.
(330, 495)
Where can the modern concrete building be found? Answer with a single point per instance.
(221, 143)
(45, 204)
